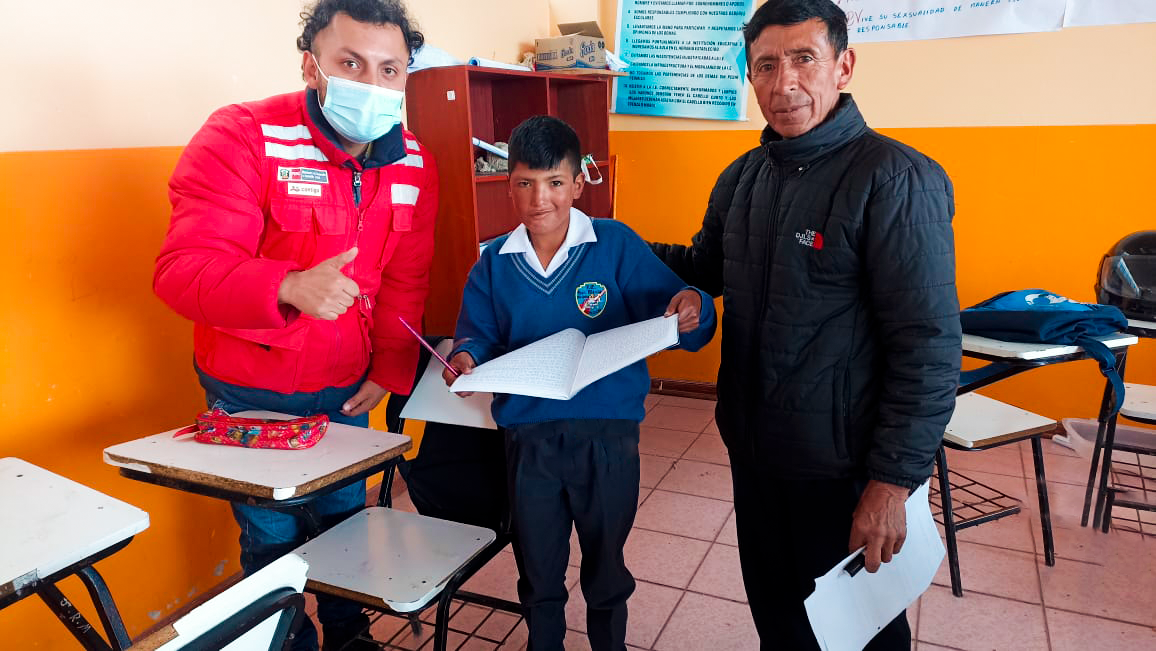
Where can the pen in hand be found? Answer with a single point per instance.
(430, 348)
(856, 565)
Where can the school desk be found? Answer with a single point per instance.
(54, 528)
(980, 423)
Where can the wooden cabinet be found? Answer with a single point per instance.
(446, 108)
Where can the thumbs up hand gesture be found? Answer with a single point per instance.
(323, 291)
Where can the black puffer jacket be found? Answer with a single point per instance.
(835, 258)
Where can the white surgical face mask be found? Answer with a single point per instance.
(360, 112)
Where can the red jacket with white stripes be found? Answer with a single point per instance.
(264, 189)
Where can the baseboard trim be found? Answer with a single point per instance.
(684, 388)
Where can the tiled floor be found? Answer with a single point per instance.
(1100, 595)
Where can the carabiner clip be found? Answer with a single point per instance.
(587, 164)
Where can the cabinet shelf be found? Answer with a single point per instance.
(447, 108)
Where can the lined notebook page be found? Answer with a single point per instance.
(543, 369)
(613, 350)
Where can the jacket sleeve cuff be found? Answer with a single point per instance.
(264, 276)
(711, 316)
(694, 341)
(475, 351)
(908, 482)
(394, 370)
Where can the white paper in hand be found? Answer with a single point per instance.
(559, 366)
(433, 402)
(846, 611)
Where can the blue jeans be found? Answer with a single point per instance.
(268, 534)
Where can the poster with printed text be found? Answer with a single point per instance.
(1085, 13)
(686, 58)
(870, 21)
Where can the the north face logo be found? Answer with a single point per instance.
(1044, 299)
(810, 238)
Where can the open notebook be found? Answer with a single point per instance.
(561, 365)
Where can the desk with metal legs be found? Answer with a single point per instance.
(1007, 359)
(287, 480)
(1139, 406)
(980, 423)
(1011, 358)
(54, 528)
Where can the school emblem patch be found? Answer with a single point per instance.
(591, 298)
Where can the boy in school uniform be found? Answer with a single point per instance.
(569, 462)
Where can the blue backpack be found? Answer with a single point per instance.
(1036, 315)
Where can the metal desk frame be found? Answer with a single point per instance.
(67, 613)
(995, 507)
(1105, 442)
(301, 505)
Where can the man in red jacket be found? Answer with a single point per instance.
(302, 228)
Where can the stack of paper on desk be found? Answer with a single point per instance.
(564, 363)
(847, 611)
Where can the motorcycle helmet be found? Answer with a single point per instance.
(1127, 276)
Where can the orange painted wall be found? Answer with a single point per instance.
(88, 356)
(91, 358)
(1035, 207)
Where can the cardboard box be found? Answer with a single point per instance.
(583, 46)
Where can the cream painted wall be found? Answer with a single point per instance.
(143, 73)
(135, 73)
(1081, 76)
(574, 11)
(493, 29)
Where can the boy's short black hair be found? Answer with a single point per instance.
(543, 142)
(792, 12)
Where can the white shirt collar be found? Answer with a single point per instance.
(580, 231)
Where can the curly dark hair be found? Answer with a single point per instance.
(377, 12)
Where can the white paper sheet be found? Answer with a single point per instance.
(1083, 13)
(614, 350)
(559, 366)
(432, 401)
(490, 63)
(543, 369)
(911, 20)
(847, 611)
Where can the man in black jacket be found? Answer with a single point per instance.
(832, 248)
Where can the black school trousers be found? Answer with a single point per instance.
(580, 474)
(789, 533)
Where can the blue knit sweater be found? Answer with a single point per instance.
(602, 285)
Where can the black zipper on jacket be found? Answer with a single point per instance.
(356, 188)
(772, 241)
(757, 329)
(772, 237)
(774, 226)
